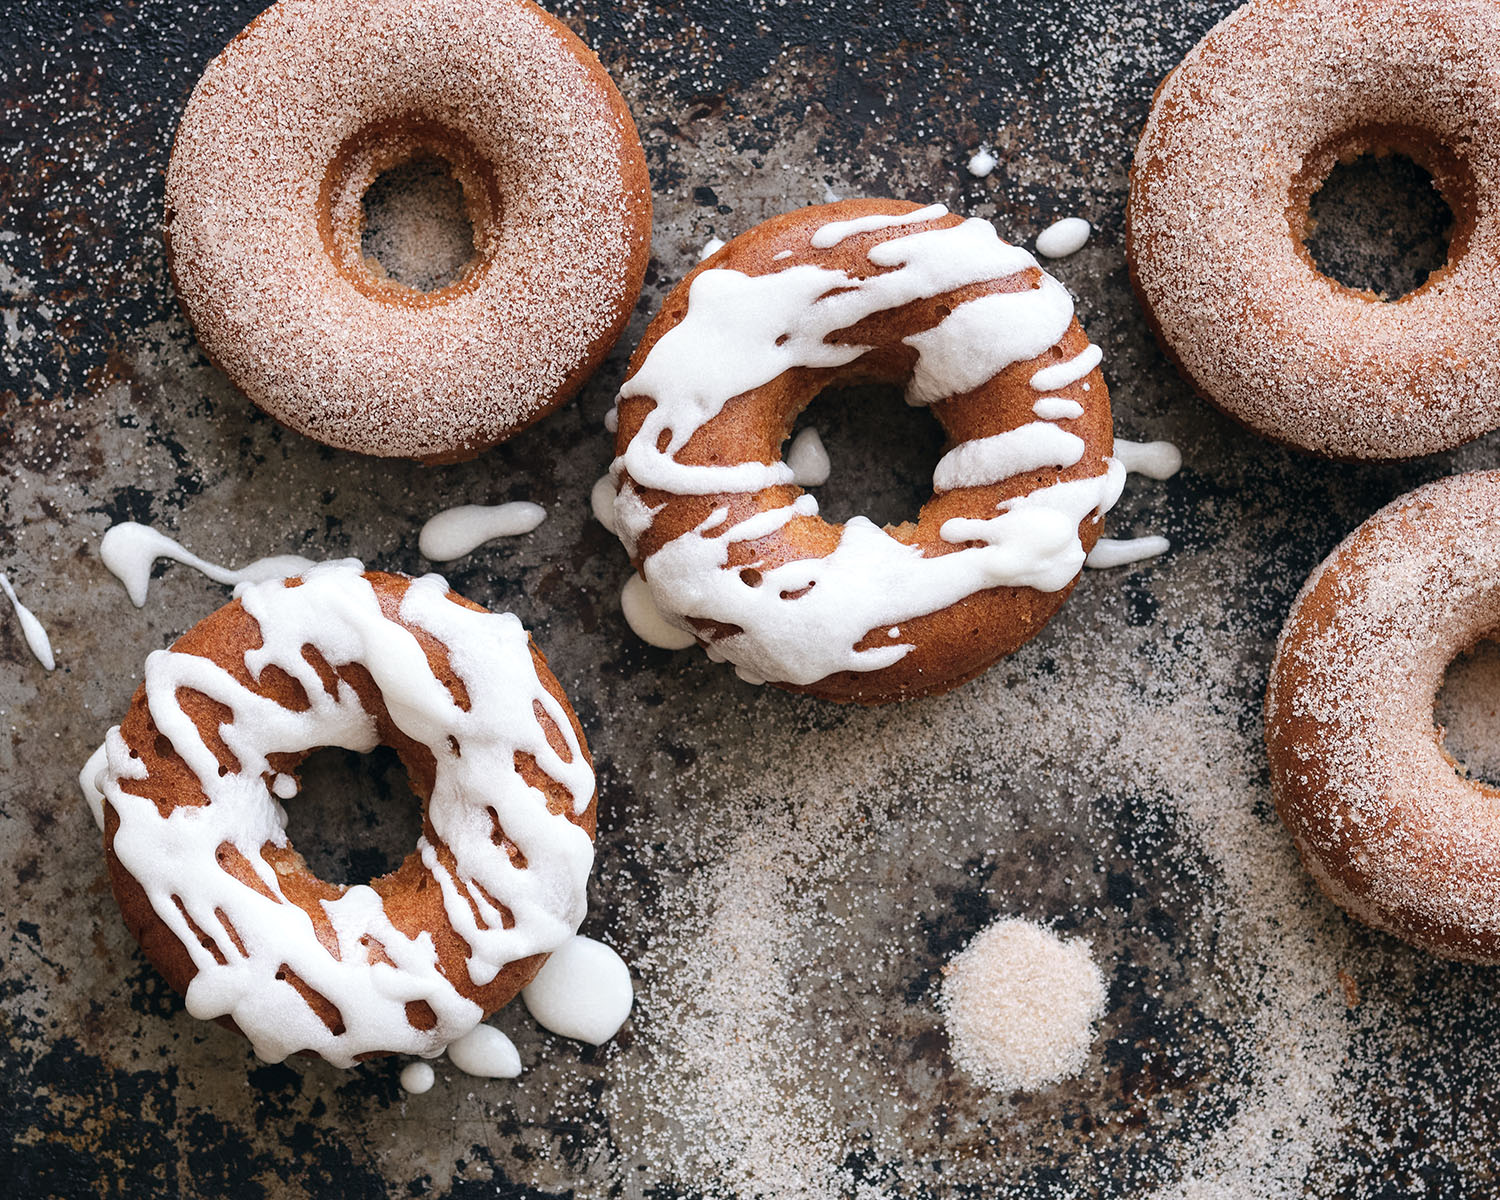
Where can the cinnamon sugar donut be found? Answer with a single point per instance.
(187, 789)
(279, 141)
(1382, 817)
(863, 291)
(1241, 135)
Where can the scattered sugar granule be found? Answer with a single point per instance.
(1020, 1005)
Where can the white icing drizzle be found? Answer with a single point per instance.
(982, 164)
(1060, 375)
(1154, 460)
(1057, 408)
(487, 1053)
(612, 418)
(456, 532)
(710, 248)
(646, 620)
(284, 787)
(780, 254)
(836, 231)
(1121, 552)
(983, 461)
(89, 781)
(808, 459)
(129, 551)
(1064, 237)
(602, 501)
(583, 992)
(418, 1077)
(253, 935)
(31, 629)
(802, 621)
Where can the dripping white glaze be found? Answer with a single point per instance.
(1050, 379)
(254, 933)
(710, 248)
(602, 501)
(1154, 460)
(1121, 552)
(808, 459)
(418, 1077)
(487, 1053)
(646, 620)
(130, 550)
(31, 629)
(801, 621)
(90, 781)
(1064, 237)
(1057, 408)
(456, 532)
(583, 991)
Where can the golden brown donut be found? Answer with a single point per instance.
(287, 129)
(863, 291)
(1241, 135)
(1389, 828)
(225, 906)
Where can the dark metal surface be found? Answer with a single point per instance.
(1084, 783)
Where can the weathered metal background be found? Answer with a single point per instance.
(1254, 1037)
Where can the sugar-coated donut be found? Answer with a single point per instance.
(187, 789)
(863, 291)
(1240, 136)
(1383, 819)
(282, 136)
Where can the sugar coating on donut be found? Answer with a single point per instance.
(1020, 1004)
(802, 621)
(256, 954)
(1384, 819)
(247, 226)
(1241, 131)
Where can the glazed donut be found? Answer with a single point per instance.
(279, 141)
(863, 291)
(187, 789)
(1241, 135)
(1389, 828)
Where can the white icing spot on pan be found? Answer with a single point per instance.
(418, 1077)
(583, 991)
(982, 164)
(130, 550)
(1062, 238)
(31, 629)
(487, 1053)
(459, 531)
(1155, 460)
(1116, 552)
(645, 619)
(808, 459)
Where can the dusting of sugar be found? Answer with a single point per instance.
(1021, 1004)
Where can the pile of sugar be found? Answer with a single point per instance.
(1021, 1004)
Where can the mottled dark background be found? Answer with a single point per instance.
(108, 412)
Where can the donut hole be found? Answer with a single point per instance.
(882, 452)
(355, 817)
(1466, 712)
(417, 230)
(1379, 223)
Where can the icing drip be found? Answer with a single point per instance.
(808, 459)
(31, 629)
(458, 531)
(583, 992)
(710, 248)
(487, 1053)
(802, 621)
(417, 1077)
(129, 550)
(1115, 552)
(982, 164)
(1062, 238)
(1154, 460)
(602, 501)
(646, 620)
(90, 781)
(242, 939)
